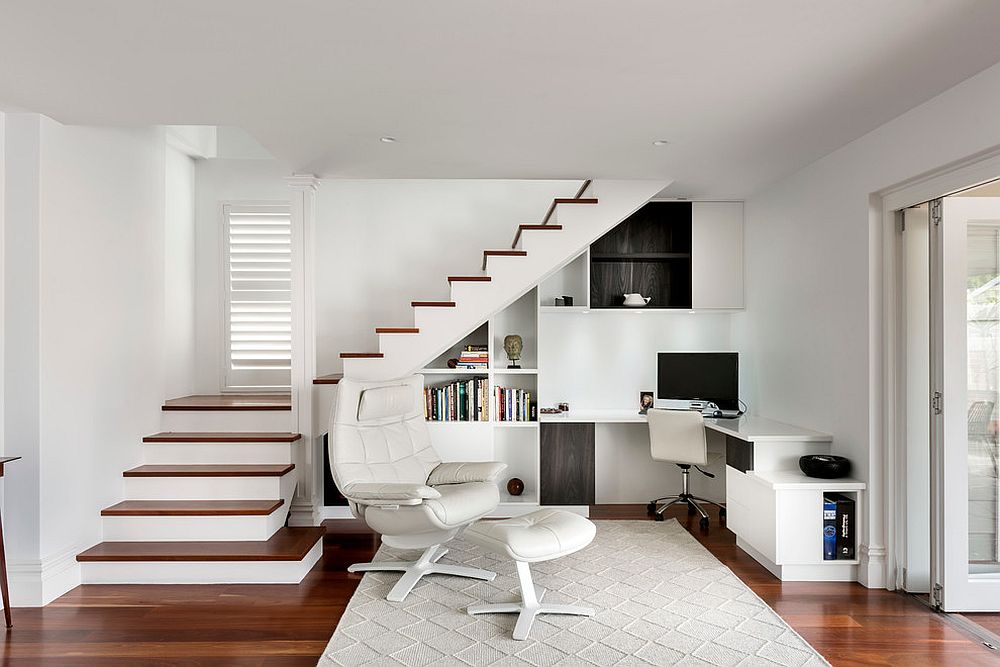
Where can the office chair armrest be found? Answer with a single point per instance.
(389, 493)
(460, 473)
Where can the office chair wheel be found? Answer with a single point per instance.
(650, 508)
(703, 523)
(722, 514)
(657, 517)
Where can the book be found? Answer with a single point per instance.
(844, 522)
(829, 529)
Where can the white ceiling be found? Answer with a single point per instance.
(745, 91)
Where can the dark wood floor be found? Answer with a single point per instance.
(290, 625)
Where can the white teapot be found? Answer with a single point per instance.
(636, 300)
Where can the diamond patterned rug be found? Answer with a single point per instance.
(661, 599)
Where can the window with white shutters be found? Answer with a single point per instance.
(258, 273)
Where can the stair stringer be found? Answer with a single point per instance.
(512, 277)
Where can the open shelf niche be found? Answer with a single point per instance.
(514, 443)
(649, 253)
(571, 280)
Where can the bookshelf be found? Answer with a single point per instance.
(512, 442)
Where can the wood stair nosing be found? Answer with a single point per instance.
(287, 544)
(332, 378)
(432, 304)
(233, 437)
(228, 402)
(211, 470)
(361, 355)
(524, 228)
(193, 508)
(503, 253)
(397, 330)
(469, 279)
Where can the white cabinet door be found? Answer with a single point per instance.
(717, 255)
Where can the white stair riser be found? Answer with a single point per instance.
(200, 572)
(210, 488)
(265, 421)
(186, 528)
(217, 452)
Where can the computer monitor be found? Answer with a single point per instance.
(691, 380)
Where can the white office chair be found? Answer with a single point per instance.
(678, 436)
(383, 463)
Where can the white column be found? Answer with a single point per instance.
(307, 503)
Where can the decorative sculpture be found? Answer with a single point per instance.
(513, 345)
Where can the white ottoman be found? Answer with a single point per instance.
(532, 538)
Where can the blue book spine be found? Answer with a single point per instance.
(829, 530)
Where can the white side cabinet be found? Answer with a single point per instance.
(717, 255)
(777, 516)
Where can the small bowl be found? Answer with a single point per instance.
(824, 466)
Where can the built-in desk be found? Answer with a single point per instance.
(752, 443)
(774, 510)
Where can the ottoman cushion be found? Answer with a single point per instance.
(535, 537)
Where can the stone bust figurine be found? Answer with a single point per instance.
(513, 345)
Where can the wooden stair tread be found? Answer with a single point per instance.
(575, 200)
(524, 228)
(469, 279)
(503, 253)
(212, 470)
(193, 437)
(287, 544)
(332, 378)
(397, 330)
(361, 355)
(432, 304)
(193, 508)
(200, 402)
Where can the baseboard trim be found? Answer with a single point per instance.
(871, 567)
(37, 583)
(304, 513)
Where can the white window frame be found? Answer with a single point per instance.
(229, 381)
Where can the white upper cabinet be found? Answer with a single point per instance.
(717, 255)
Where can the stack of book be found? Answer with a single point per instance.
(458, 401)
(514, 405)
(474, 356)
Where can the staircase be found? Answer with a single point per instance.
(210, 501)
(537, 251)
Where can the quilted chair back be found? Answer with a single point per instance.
(378, 433)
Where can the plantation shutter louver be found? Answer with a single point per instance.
(259, 290)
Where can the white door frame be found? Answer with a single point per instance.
(888, 428)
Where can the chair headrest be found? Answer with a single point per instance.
(384, 402)
(374, 402)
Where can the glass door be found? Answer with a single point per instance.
(965, 393)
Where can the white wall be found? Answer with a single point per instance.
(602, 360)
(811, 329)
(85, 313)
(20, 342)
(382, 244)
(179, 273)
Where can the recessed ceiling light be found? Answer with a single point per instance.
(387, 140)
(660, 142)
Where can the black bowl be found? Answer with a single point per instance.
(824, 466)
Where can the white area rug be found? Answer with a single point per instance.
(661, 599)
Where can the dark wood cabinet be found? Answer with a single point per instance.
(648, 253)
(567, 464)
